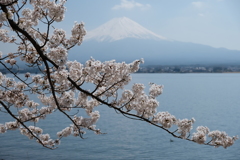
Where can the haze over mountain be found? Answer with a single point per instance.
(123, 39)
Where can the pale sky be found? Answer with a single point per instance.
(210, 22)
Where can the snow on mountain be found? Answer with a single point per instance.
(121, 28)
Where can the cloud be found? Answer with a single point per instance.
(198, 4)
(201, 14)
(125, 4)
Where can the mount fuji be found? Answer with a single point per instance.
(123, 39)
(121, 28)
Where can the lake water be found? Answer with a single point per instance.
(212, 99)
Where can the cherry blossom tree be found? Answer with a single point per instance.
(59, 86)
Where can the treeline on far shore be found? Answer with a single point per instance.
(155, 69)
(189, 69)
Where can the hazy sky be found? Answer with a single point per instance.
(211, 22)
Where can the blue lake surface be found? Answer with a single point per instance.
(212, 99)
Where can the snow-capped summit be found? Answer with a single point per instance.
(121, 28)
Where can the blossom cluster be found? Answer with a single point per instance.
(200, 136)
(136, 99)
(82, 123)
(46, 7)
(15, 96)
(165, 119)
(221, 139)
(185, 126)
(6, 2)
(43, 138)
(218, 138)
(4, 35)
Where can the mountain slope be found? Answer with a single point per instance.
(121, 28)
(155, 52)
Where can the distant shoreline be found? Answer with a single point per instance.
(190, 69)
(181, 69)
